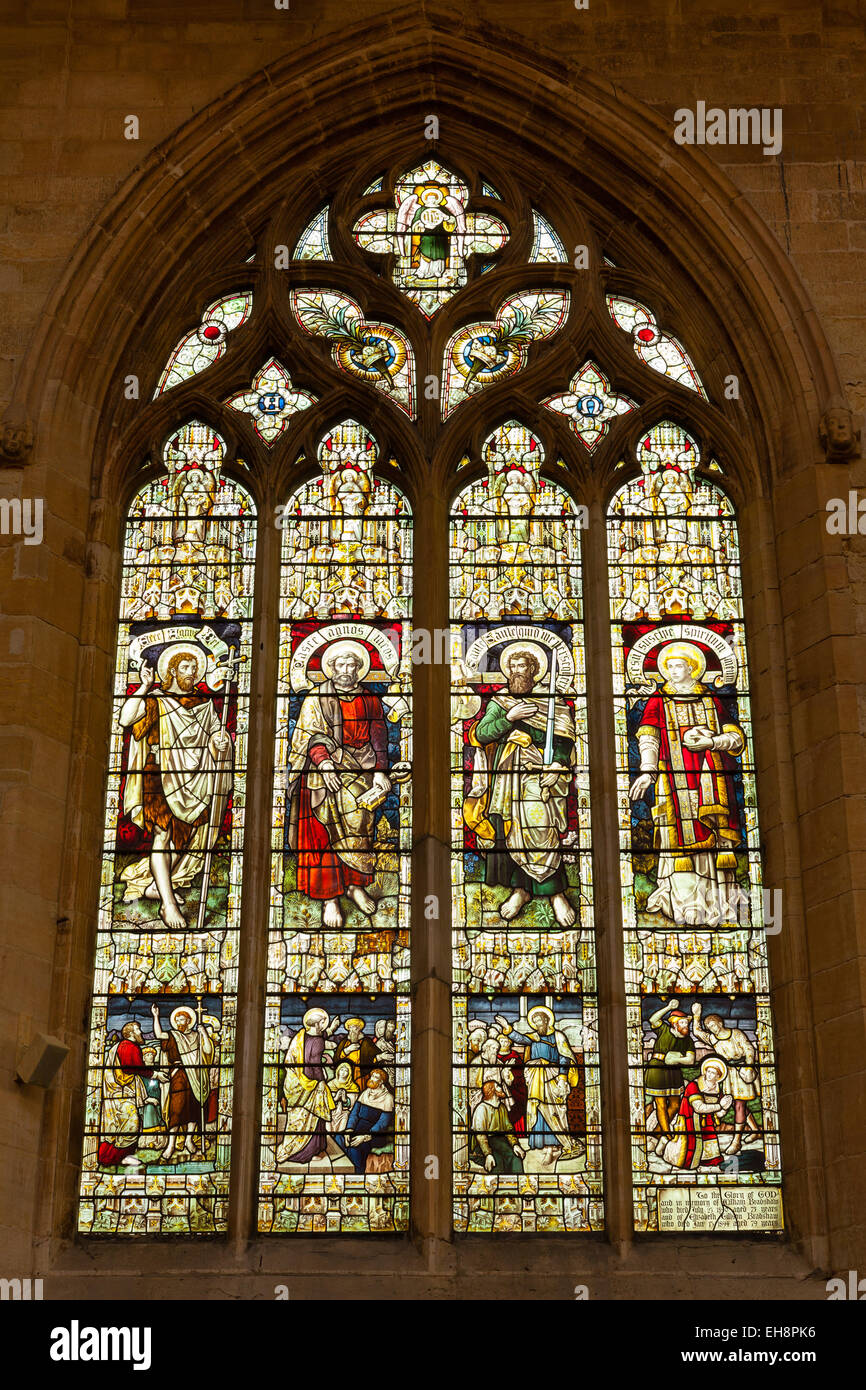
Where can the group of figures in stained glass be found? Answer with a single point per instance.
(705, 1140)
(162, 1035)
(527, 1148)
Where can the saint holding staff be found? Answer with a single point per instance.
(178, 777)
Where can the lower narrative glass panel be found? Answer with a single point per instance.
(158, 1115)
(335, 1135)
(527, 1140)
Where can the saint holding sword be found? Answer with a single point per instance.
(517, 803)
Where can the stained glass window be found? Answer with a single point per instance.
(335, 1146)
(334, 1155)
(376, 353)
(483, 354)
(527, 1148)
(161, 1051)
(590, 405)
(658, 350)
(271, 401)
(313, 244)
(207, 343)
(703, 1094)
(430, 233)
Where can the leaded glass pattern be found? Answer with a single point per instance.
(161, 1047)
(526, 1107)
(483, 354)
(546, 245)
(589, 404)
(527, 1125)
(431, 233)
(205, 345)
(272, 401)
(313, 244)
(335, 1145)
(377, 354)
(657, 349)
(705, 1142)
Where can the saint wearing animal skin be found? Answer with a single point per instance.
(178, 777)
(188, 1050)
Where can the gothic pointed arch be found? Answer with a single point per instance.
(197, 224)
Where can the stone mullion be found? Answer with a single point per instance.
(431, 892)
(607, 896)
(254, 919)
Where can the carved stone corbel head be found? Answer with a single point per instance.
(16, 440)
(839, 438)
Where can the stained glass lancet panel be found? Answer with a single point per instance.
(527, 1142)
(158, 1101)
(335, 1142)
(703, 1094)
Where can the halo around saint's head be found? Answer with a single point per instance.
(533, 648)
(541, 1010)
(315, 1016)
(188, 649)
(717, 1064)
(683, 651)
(346, 647)
(184, 1011)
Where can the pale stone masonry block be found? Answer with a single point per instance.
(834, 709)
(832, 768)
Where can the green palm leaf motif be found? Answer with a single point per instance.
(342, 323)
(333, 321)
(524, 321)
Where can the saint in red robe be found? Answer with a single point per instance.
(356, 732)
(129, 1062)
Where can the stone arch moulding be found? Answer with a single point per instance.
(309, 121)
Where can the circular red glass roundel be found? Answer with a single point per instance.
(646, 335)
(211, 332)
